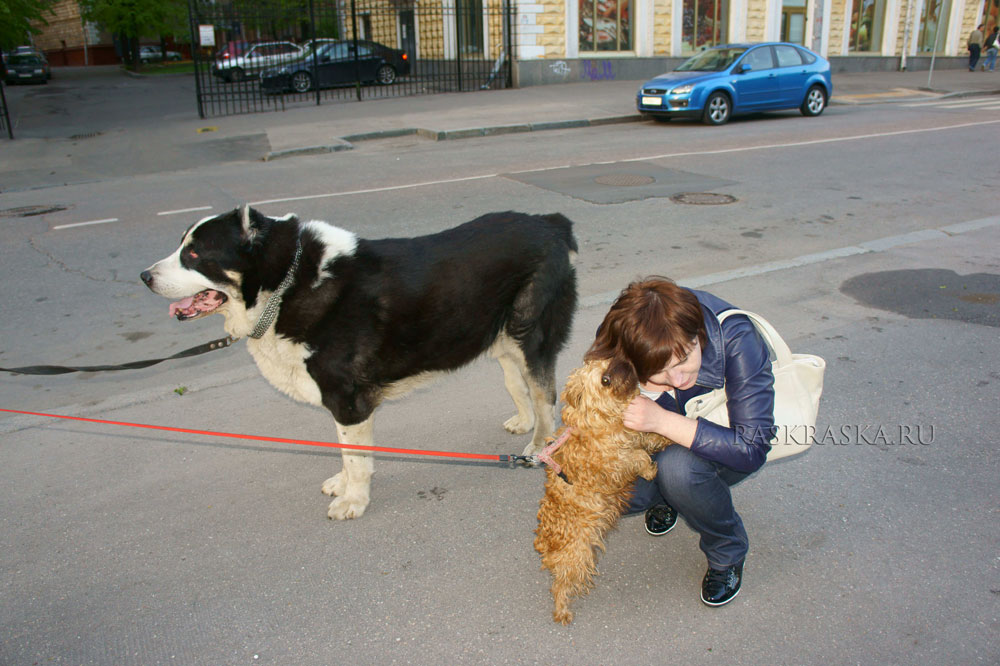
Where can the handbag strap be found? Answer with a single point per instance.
(782, 354)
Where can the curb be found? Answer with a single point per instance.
(347, 142)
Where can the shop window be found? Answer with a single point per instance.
(470, 25)
(867, 22)
(705, 24)
(793, 21)
(605, 25)
(933, 26)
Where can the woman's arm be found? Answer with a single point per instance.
(743, 446)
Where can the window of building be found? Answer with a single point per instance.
(933, 26)
(470, 25)
(793, 21)
(605, 25)
(867, 22)
(705, 24)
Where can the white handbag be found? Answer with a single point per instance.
(798, 384)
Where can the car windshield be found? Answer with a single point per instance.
(712, 60)
(25, 60)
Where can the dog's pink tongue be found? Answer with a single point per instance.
(181, 306)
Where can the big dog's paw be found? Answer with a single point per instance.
(335, 485)
(519, 424)
(344, 508)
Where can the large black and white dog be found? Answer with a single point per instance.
(343, 322)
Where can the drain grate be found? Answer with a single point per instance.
(85, 135)
(624, 180)
(30, 211)
(703, 198)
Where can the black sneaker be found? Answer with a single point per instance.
(660, 519)
(721, 587)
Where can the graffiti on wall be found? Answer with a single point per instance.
(597, 70)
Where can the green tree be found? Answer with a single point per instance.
(131, 19)
(15, 18)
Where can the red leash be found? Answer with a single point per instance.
(282, 440)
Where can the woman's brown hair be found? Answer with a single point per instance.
(652, 321)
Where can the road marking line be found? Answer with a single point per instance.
(375, 189)
(184, 210)
(872, 246)
(724, 151)
(85, 224)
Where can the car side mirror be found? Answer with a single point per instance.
(746, 67)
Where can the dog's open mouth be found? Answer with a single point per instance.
(203, 303)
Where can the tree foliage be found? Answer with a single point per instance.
(135, 18)
(15, 18)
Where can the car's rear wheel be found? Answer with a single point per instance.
(236, 74)
(386, 74)
(301, 82)
(718, 109)
(815, 102)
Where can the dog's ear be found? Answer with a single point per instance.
(620, 378)
(254, 226)
(573, 390)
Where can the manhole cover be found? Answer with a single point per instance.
(624, 180)
(30, 211)
(703, 198)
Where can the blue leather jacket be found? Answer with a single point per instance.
(735, 357)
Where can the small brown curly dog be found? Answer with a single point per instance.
(600, 460)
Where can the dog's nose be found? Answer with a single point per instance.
(146, 277)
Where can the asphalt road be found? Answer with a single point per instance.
(868, 238)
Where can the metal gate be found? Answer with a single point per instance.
(261, 55)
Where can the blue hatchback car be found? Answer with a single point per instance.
(724, 81)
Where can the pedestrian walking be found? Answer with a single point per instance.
(991, 47)
(975, 46)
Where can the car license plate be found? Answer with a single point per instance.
(652, 101)
(26, 76)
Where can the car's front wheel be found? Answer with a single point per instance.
(236, 75)
(386, 74)
(718, 109)
(814, 103)
(301, 82)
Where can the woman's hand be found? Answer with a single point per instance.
(643, 415)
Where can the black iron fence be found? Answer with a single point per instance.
(258, 55)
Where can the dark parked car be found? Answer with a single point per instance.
(727, 80)
(335, 64)
(27, 67)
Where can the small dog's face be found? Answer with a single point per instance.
(206, 271)
(594, 395)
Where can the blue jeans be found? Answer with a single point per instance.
(991, 58)
(699, 490)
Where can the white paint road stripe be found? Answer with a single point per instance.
(876, 245)
(86, 224)
(724, 151)
(663, 156)
(184, 210)
(375, 189)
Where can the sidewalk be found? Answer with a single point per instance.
(132, 135)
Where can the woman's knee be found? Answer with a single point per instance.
(679, 470)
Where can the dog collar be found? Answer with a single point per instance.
(270, 312)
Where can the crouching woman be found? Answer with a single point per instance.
(669, 340)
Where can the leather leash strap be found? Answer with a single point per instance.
(134, 365)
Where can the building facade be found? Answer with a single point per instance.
(594, 39)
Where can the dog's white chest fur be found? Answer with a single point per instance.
(283, 363)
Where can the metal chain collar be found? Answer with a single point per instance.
(274, 301)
